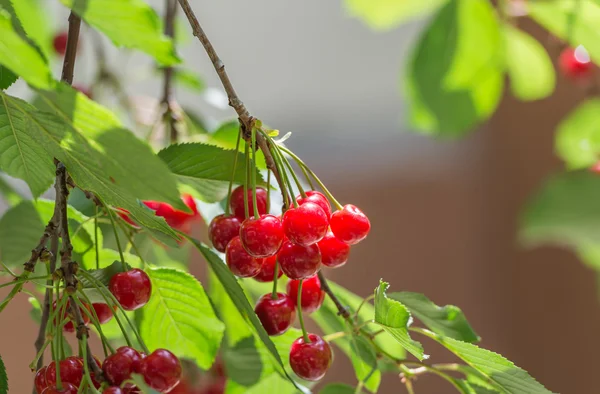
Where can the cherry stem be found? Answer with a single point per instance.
(296, 180)
(114, 227)
(21, 281)
(364, 301)
(275, 280)
(246, 181)
(307, 177)
(235, 161)
(96, 246)
(254, 169)
(131, 242)
(278, 158)
(91, 313)
(299, 306)
(83, 346)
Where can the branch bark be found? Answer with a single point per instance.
(71, 52)
(342, 309)
(170, 116)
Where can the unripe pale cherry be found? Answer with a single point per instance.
(239, 261)
(267, 270)
(317, 198)
(223, 229)
(334, 252)
(350, 224)
(306, 224)
(276, 315)
(312, 295)
(262, 237)
(310, 361)
(299, 262)
(236, 202)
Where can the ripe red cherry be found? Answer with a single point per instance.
(174, 217)
(119, 366)
(223, 229)
(112, 390)
(262, 237)
(236, 202)
(217, 387)
(297, 261)
(350, 224)
(310, 361)
(317, 198)
(276, 315)
(334, 253)
(104, 312)
(305, 225)
(575, 63)
(312, 295)
(60, 43)
(267, 270)
(132, 288)
(68, 388)
(69, 326)
(71, 371)
(40, 380)
(239, 261)
(161, 370)
(124, 214)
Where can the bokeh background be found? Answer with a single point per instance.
(444, 213)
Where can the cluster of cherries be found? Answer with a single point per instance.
(307, 236)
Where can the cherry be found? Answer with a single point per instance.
(239, 261)
(132, 288)
(334, 253)
(312, 295)
(350, 224)
(236, 202)
(267, 270)
(317, 198)
(174, 217)
(40, 380)
(310, 361)
(104, 312)
(575, 63)
(69, 326)
(68, 388)
(276, 315)
(124, 214)
(71, 371)
(99, 364)
(262, 237)
(112, 390)
(119, 366)
(223, 229)
(297, 261)
(217, 387)
(305, 225)
(161, 370)
(60, 43)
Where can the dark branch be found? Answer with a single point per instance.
(71, 53)
(170, 115)
(342, 309)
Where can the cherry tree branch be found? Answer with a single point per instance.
(342, 310)
(71, 52)
(170, 115)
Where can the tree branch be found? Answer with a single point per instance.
(342, 310)
(246, 120)
(71, 52)
(170, 116)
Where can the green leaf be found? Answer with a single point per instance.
(34, 19)
(364, 361)
(529, 67)
(455, 76)
(8, 192)
(3, 378)
(565, 211)
(36, 309)
(21, 58)
(205, 168)
(337, 388)
(243, 362)
(395, 319)
(499, 370)
(180, 317)
(466, 387)
(129, 24)
(572, 20)
(449, 320)
(7, 77)
(385, 14)
(577, 140)
(236, 328)
(190, 80)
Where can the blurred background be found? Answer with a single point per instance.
(444, 213)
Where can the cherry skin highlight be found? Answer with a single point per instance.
(310, 361)
(119, 366)
(132, 288)
(350, 225)
(161, 370)
(40, 380)
(104, 312)
(317, 198)
(71, 371)
(312, 295)
(236, 202)
(267, 270)
(276, 315)
(223, 229)
(334, 253)
(299, 262)
(68, 388)
(239, 261)
(305, 225)
(572, 67)
(262, 237)
(112, 390)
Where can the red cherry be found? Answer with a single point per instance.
(104, 312)
(575, 64)
(112, 390)
(40, 380)
(223, 229)
(132, 288)
(350, 224)
(174, 217)
(317, 198)
(236, 201)
(239, 261)
(97, 384)
(312, 295)
(305, 225)
(124, 214)
(310, 361)
(68, 388)
(297, 261)
(334, 253)
(267, 270)
(71, 371)
(262, 237)
(217, 387)
(161, 370)
(119, 366)
(60, 43)
(69, 326)
(276, 315)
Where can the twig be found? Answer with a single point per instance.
(246, 120)
(170, 116)
(71, 53)
(342, 310)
